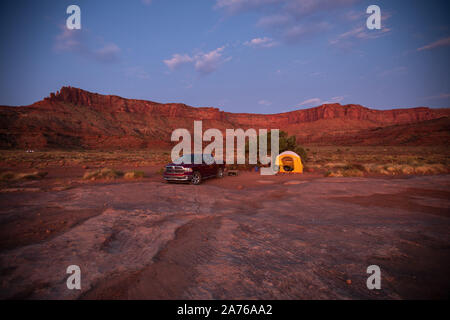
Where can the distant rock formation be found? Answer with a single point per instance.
(75, 118)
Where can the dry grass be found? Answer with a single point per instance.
(15, 176)
(112, 174)
(103, 174)
(134, 175)
(92, 158)
(390, 170)
(331, 160)
(367, 161)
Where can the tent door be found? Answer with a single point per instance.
(288, 164)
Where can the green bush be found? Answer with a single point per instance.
(286, 143)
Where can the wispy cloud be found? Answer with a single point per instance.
(178, 60)
(318, 101)
(436, 44)
(107, 53)
(348, 38)
(204, 63)
(354, 15)
(290, 21)
(208, 62)
(261, 43)
(337, 99)
(69, 40)
(360, 32)
(77, 41)
(264, 103)
(309, 102)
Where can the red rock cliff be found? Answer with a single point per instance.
(74, 117)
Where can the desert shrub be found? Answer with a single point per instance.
(346, 169)
(11, 176)
(6, 176)
(286, 143)
(161, 171)
(312, 168)
(302, 153)
(31, 175)
(342, 172)
(405, 169)
(374, 168)
(352, 173)
(391, 169)
(355, 166)
(423, 170)
(335, 165)
(134, 175)
(440, 168)
(431, 169)
(105, 173)
(399, 169)
(334, 174)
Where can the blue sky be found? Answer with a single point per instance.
(258, 56)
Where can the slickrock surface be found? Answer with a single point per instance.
(151, 240)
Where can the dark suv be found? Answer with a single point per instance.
(185, 170)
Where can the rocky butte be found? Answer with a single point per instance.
(75, 118)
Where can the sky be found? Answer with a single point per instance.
(255, 56)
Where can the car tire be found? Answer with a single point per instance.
(196, 178)
(219, 174)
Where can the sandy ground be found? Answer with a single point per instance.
(245, 237)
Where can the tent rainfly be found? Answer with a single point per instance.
(289, 162)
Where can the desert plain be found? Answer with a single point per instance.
(309, 236)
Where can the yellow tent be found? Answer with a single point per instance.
(289, 162)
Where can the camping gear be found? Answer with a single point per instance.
(289, 162)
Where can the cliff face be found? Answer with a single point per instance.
(107, 103)
(77, 118)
